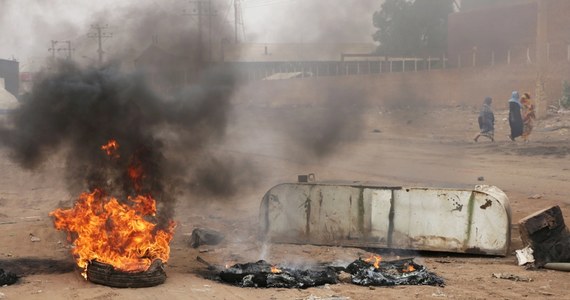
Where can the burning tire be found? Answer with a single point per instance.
(106, 274)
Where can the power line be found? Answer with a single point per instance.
(69, 50)
(268, 3)
(53, 49)
(99, 34)
(203, 9)
(238, 21)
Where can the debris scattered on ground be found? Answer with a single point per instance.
(438, 293)
(263, 274)
(34, 238)
(512, 277)
(524, 256)
(365, 272)
(535, 196)
(203, 236)
(397, 272)
(344, 277)
(546, 233)
(481, 178)
(7, 278)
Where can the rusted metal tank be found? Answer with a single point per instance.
(369, 215)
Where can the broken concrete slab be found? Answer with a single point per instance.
(370, 215)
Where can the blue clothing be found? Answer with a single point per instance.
(486, 119)
(515, 98)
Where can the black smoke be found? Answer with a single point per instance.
(320, 131)
(80, 109)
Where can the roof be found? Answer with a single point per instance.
(288, 75)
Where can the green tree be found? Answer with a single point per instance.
(412, 27)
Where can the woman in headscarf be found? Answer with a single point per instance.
(486, 121)
(528, 116)
(515, 117)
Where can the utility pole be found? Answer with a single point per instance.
(203, 9)
(238, 20)
(69, 50)
(53, 49)
(99, 34)
(236, 5)
(210, 14)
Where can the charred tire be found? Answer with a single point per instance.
(106, 274)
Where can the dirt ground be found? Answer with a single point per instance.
(428, 147)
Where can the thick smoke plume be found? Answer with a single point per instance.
(80, 110)
(157, 96)
(322, 130)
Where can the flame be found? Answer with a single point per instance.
(408, 268)
(375, 260)
(111, 148)
(274, 269)
(120, 234)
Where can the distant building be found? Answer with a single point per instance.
(10, 71)
(507, 32)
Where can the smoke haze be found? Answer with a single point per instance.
(28, 26)
(78, 109)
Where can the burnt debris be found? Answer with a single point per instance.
(397, 272)
(547, 234)
(7, 278)
(263, 274)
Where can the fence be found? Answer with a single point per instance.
(355, 64)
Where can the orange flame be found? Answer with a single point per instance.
(376, 259)
(274, 269)
(408, 269)
(120, 234)
(136, 173)
(111, 148)
(114, 233)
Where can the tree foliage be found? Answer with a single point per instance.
(412, 27)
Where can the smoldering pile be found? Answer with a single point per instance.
(360, 272)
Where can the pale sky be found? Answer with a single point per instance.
(28, 26)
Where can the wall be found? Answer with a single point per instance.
(10, 71)
(468, 86)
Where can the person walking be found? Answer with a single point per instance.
(528, 116)
(486, 121)
(515, 117)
